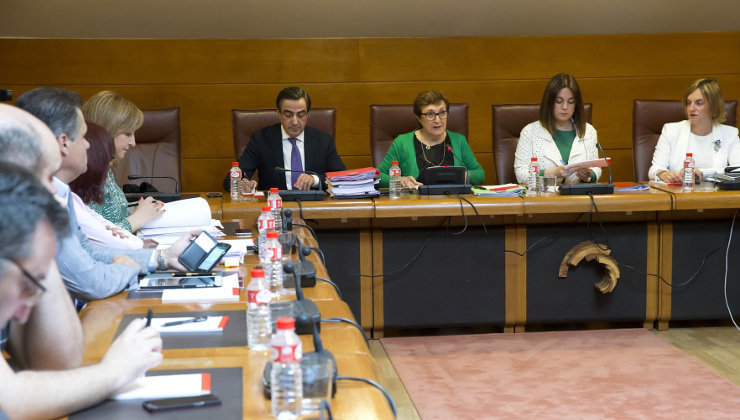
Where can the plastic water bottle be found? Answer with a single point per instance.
(394, 185)
(688, 172)
(259, 323)
(264, 223)
(236, 180)
(534, 172)
(286, 379)
(276, 204)
(274, 251)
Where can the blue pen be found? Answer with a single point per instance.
(565, 164)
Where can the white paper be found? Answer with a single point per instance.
(212, 324)
(228, 292)
(189, 212)
(166, 386)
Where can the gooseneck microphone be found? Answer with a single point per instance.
(177, 186)
(608, 161)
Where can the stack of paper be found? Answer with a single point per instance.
(181, 217)
(166, 386)
(238, 247)
(353, 183)
(505, 190)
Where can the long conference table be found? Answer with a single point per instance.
(444, 261)
(102, 320)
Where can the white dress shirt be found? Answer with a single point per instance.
(287, 150)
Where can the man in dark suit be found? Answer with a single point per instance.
(291, 145)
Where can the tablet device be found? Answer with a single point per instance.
(173, 280)
(203, 253)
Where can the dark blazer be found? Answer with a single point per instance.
(265, 151)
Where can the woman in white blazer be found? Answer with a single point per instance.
(560, 137)
(713, 145)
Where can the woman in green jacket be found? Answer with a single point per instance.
(428, 145)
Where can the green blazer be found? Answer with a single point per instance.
(402, 150)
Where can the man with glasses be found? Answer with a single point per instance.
(31, 221)
(306, 151)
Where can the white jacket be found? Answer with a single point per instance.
(673, 145)
(536, 141)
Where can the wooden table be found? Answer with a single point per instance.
(473, 279)
(101, 319)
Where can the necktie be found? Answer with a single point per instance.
(295, 162)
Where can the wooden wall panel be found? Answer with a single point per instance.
(207, 78)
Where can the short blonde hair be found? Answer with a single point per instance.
(709, 89)
(113, 112)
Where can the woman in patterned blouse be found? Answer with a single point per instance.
(560, 138)
(121, 119)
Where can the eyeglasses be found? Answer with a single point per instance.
(432, 115)
(32, 291)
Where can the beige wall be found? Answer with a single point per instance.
(253, 19)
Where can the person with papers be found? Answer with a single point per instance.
(561, 138)
(90, 271)
(46, 380)
(120, 118)
(713, 144)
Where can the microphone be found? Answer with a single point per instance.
(306, 268)
(608, 161)
(305, 311)
(456, 156)
(6, 95)
(177, 186)
(287, 220)
(281, 169)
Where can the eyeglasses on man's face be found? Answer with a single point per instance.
(432, 115)
(32, 288)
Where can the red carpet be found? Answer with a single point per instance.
(605, 374)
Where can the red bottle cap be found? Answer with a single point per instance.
(534, 159)
(258, 272)
(234, 163)
(286, 323)
(273, 190)
(395, 162)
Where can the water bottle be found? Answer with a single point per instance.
(274, 251)
(688, 172)
(276, 204)
(259, 324)
(534, 172)
(264, 223)
(236, 180)
(286, 376)
(394, 185)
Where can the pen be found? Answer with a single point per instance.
(133, 204)
(185, 321)
(189, 274)
(149, 317)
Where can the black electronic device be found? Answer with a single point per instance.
(302, 195)
(174, 280)
(305, 311)
(585, 189)
(444, 189)
(306, 269)
(727, 182)
(178, 403)
(203, 253)
(310, 364)
(454, 175)
(215, 194)
(177, 185)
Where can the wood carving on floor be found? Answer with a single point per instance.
(589, 251)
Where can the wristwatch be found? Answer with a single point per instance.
(161, 262)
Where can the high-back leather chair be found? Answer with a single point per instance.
(388, 121)
(508, 122)
(246, 121)
(648, 118)
(157, 151)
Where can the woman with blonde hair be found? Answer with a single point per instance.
(120, 118)
(713, 144)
